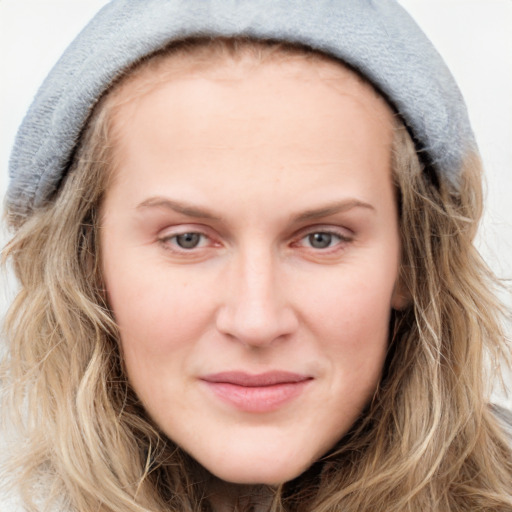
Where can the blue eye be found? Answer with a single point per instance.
(189, 245)
(188, 240)
(321, 240)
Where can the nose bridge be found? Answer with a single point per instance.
(256, 310)
(257, 277)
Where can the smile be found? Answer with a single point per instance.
(260, 393)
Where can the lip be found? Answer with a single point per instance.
(257, 393)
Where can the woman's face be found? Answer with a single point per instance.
(251, 251)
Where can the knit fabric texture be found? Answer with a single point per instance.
(377, 37)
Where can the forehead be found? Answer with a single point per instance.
(228, 60)
(250, 116)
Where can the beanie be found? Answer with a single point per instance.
(376, 37)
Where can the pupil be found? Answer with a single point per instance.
(320, 240)
(188, 240)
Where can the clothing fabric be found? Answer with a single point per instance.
(376, 37)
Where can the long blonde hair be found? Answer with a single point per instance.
(428, 440)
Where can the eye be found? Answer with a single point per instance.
(322, 240)
(188, 240)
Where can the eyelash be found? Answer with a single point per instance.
(342, 240)
(170, 241)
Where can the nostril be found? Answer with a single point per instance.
(256, 325)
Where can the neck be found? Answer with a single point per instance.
(228, 497)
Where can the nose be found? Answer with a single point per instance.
(256, 310)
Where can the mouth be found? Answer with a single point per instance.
(257, 393)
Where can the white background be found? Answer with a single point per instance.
(474, 36)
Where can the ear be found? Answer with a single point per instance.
(401, 297)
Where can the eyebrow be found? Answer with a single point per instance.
(179, 207)
(201, 213)
(333, 209)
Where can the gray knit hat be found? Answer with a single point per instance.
(377, 37)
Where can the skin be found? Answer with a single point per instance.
(255, 158)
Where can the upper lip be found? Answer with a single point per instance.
(271, 378)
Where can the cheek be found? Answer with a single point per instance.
(354, 304)
(159, 327)
(163, 313)
(160, 315)
(350, 321)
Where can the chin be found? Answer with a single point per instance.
(272, 473)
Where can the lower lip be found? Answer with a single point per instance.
(258, 399)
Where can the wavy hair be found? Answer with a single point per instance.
(427, 441)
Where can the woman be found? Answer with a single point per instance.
(244, 244)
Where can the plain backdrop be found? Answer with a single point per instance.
(474, 36)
